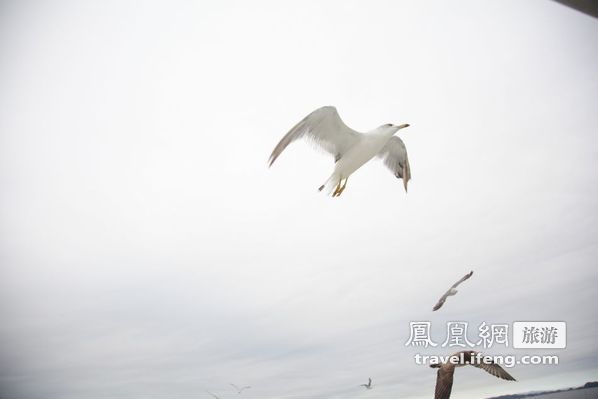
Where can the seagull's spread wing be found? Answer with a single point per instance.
(441, 301)
(325, 128)
(444, 383)
(211, 394)
(394, 155)
(468, 275)
(494, 369)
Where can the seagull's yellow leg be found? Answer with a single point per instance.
(343, 187)
(338, 187)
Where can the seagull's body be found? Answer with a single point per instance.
(239, 390)
(452, 291)
(444, 377)
(350, 149)
(368, 385)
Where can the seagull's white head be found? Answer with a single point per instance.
(389, 127)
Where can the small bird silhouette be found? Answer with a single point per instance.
(368, 385)
(239, 390)
(450, 292)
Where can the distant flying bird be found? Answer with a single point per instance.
(350, 149)
(211, 394)
(444, 377)
(368, 385)
(451, 291)
(239, 390)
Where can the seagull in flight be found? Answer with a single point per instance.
(452, 291)
(368, 385)
(444, 376)
(239, 390)
(350, 149)
(212, 395)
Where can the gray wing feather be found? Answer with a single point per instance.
(440, 301)
(495, 370)
(325, 128)
(468, 275)
(444, 383)
(394, 156)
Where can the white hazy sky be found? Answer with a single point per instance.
(146, 250)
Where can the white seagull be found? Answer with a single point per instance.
(239, 390)
(452, 291)
(368, 385)
(350, 149)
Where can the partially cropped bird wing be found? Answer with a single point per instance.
(489, 366)
(211, 394)
(440, 301)
(444, 382)
(468, 275)
(394, 155)
(325, 128)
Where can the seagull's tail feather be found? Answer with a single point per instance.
(331, 183)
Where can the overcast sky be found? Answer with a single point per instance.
(147, 251)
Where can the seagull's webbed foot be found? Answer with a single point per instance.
(341, 189)
(336, 192)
